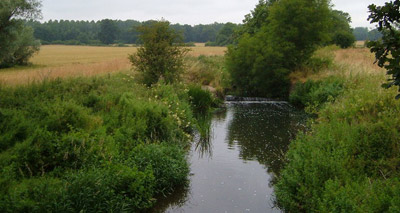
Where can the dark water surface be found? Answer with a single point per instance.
(234, 164)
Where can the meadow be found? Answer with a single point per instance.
(60, 61)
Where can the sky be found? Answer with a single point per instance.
(179, 11)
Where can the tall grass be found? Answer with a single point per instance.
(350, 160)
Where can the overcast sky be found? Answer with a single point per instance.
(178, 11)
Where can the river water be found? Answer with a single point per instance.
(234, 163)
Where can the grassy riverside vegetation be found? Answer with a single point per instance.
(350, 159)
(98, 144)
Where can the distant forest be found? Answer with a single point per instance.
(115, 31)
(108, 31)
(363, 33)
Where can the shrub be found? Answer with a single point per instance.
(349, 160)
(257, 71)
(201, 100)
(34, 195)
(344, 39)
(85, 145)
(159, 58)
(13, 128)
(315, 93)
(116, 188)
(168, 163)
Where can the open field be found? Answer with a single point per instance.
(55, 61)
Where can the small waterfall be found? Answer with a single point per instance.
(248, 100)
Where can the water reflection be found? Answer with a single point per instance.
(262, 132)
(234, 157)
(204, 136)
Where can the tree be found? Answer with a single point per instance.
(226, 35)
(108, 31)
(284, 38)
(387, 50)
(257, 18)
(160, 57)
(340, 32)
(361, 33)
(17, 43)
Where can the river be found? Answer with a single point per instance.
(234, 163)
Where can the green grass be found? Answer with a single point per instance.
(350, 159)
(102, 144)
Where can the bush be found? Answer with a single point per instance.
(85, 145)
(201, 100)
(168, 163)
(159, 58)
(349, 160)
(116, 188)
(256, 70)
(210, 44)
(314, 94)
(344, 39)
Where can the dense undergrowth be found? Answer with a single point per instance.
(350, 159)
(102, 144)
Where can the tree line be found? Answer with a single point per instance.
(364, 34)
(116, 31)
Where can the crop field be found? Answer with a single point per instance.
(55, 61)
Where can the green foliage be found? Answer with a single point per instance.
(262, 60)
(108, 31)
(258, 17)
(159, 58)
(340, 32)
(364, 34)
(115, 188)
(17, 43)
(91, 145)
(201, 100)
(314, 94)
(349, 160)
(255, 68)
(344, 39)
(88, 32)
(387, 50)
(167, 162)
(226, 35)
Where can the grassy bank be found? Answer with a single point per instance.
(99, 144)
(350, 159)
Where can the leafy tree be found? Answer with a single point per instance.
(160, 57)
(387, 50)
(361, 33)
(226, 35)
(257, 18)
(343, 39)
(374, 35)
(264, 56)
(17, 43)
(108, 31)
(340, 32)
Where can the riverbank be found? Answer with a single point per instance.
(350, 159)
(93, 144)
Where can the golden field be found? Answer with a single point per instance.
(54, 61)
